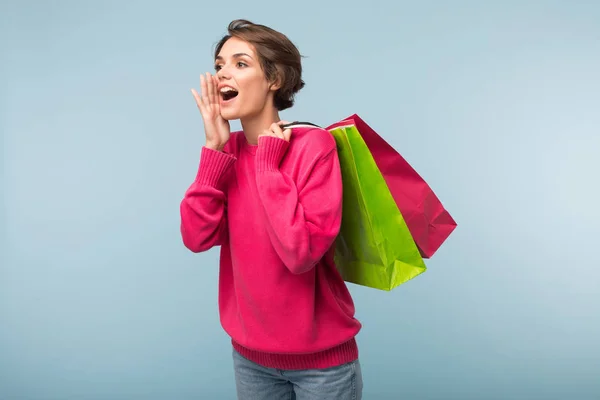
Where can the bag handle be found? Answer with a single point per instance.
(298, 123)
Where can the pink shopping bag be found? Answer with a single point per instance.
(428, 221)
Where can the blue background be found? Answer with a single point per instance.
(496, 104)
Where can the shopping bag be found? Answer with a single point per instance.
(428, 221)
(374, 247)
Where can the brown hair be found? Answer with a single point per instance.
(279, 58)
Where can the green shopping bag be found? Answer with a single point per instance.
(375, 247)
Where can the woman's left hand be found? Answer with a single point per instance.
(276, 131)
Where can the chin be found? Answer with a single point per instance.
(229, 115)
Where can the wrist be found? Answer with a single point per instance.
(270, 152)
(215, 146)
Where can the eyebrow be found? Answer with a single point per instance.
(236, 55)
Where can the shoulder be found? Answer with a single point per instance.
(313, 141)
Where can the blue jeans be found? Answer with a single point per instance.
(255, 382)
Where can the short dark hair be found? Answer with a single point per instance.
(279, 58)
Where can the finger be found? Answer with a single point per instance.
(210, 88)
(213, 90)
(196, 97)
(277, 129)
(203, 89)
(216, 86)
(216, 94)
(287, 134)
(199, 101)
(277, 132)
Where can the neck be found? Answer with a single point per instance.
(254, 125)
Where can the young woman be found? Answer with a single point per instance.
(271, 198)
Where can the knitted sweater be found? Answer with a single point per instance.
(275, 211)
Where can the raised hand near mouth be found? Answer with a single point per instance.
(216, 128)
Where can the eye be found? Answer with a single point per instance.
(218, 67)
(241, 64)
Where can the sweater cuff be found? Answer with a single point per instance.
(213, 165)
(270, 152)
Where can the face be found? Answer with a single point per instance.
(244, 89)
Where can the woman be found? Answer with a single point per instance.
(271, 198)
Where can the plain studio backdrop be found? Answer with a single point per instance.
(497, 106)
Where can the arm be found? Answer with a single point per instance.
(203, 208)
(303, 219)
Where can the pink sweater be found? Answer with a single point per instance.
(275, 209)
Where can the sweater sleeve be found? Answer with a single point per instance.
(203, 208)
(303, 218)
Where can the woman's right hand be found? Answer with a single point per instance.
(216, 128)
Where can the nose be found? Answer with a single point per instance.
(222, 73)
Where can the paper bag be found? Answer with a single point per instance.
(375, 247)
(428, 221)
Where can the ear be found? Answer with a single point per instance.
(275, 85)
(276, 82)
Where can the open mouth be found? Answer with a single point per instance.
(228, 93)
